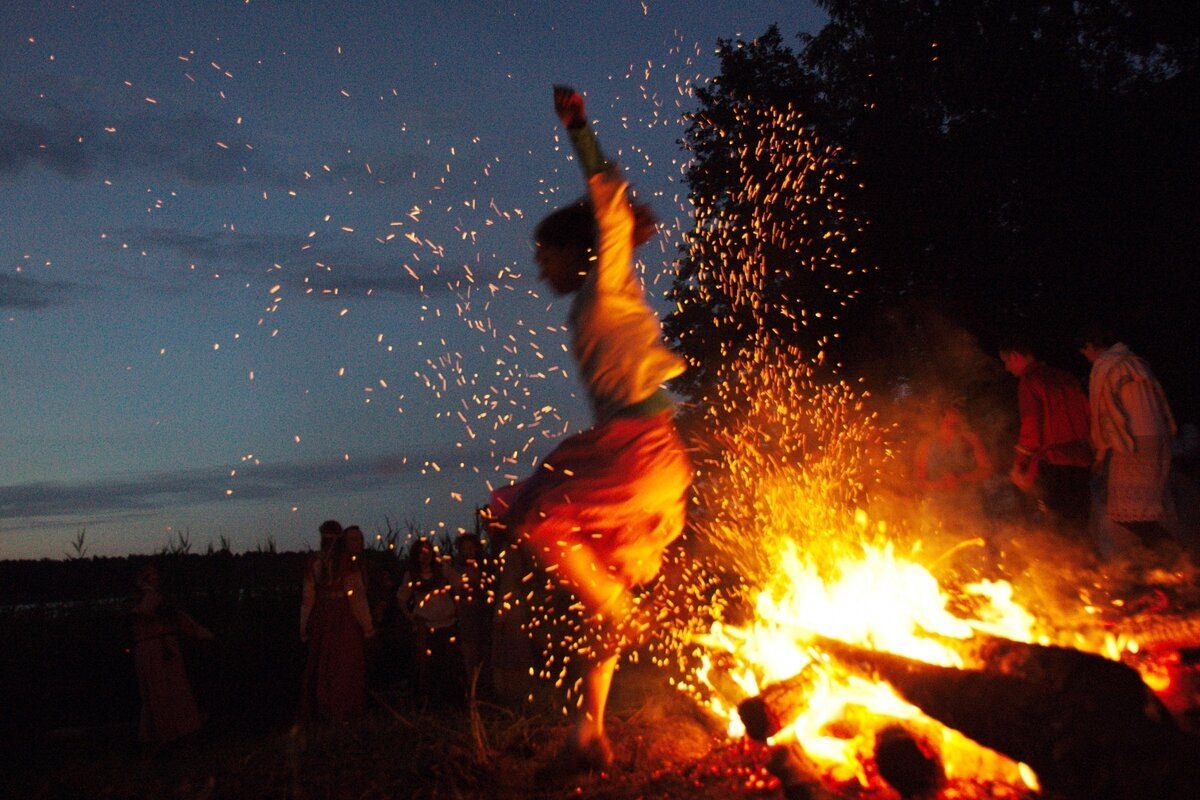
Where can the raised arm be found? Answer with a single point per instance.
(568, 104)
(615, 220)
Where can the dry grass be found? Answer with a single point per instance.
(664, 749)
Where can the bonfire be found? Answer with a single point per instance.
(865, 673)
(836, 636)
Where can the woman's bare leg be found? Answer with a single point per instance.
(606, 597)
(596, 684)
(601, 592)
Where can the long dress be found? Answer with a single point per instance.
(336, 620)
(430, 604)
(169, 708)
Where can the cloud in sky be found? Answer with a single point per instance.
(87, 129)
(219, 246)
(182, 143)
(175, 489)
(24, 143)
(28, 294)
(353, 268)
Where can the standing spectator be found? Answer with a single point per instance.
(1132, 430)
(335, 622)
(426, 598)
(389, 661)
(952, 464)
(169, 710)
(1053, 456)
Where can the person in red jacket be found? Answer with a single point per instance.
(1053, 455)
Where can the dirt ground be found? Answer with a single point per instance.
(665, 746)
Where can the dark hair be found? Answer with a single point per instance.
(416, 547)
(465, 538)
(328, 567)
(414, 561)
(1094, 334)
(147, 572)
(354, 539)
(572, 227)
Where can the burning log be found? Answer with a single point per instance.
(1162, 634)
(1089, 727)
(912, 770)
(911, 767)
(767, 713)
(1056, 664)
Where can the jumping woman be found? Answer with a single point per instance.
(606, 502)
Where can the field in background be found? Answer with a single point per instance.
(69, 705)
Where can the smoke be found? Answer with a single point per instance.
(918, 362)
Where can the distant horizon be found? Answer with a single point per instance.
(443, 542)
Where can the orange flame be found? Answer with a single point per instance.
(875, 599)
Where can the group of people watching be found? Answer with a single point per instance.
(1094, 463)
(430, 628)
(434, 621)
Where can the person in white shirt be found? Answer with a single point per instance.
(1132, 429)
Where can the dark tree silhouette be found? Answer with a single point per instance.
(770, 263)
(1022, 164)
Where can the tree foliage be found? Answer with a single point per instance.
(1021, 163)
(768, 264)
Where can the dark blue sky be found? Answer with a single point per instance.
(267, 263)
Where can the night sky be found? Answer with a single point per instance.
(264, 263)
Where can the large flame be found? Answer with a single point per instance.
(876, 599)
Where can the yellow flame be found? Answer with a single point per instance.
(875, 599)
